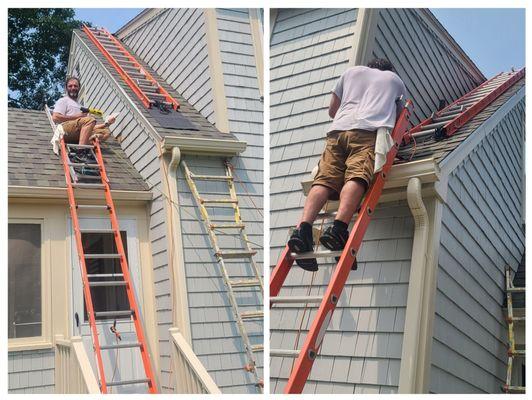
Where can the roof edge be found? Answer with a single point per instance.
(138, 21)
(37, 192)
(202, 146)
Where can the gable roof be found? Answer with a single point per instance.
(428, 147)
(32, 163)
(206, 129)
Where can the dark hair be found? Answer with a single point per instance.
(382, 64)
(72, 78)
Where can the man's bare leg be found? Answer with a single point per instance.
(86, 132)
(350, 197)
(316, 199)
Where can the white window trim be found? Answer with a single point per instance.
(45, 339)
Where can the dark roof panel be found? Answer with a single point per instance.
(31, 161)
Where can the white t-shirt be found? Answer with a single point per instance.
(368, 99)
(67, 106)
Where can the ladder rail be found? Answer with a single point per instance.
(314, 338)
(84, 277)
(248, 348)
(152, 387)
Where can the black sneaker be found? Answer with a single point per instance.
(84, 171)
(335, 239)
(301, 242)
(84, 156)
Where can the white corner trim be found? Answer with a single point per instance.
(364, 36)
(411, 335)
(273, 19)
(256, 38)
(180, 314)
(216, 70)
(449, 163)
(219, 147)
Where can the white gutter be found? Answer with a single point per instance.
(175, 248)
(202, 146)
(414, 305)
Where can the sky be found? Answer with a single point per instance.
(108, 18)
(493, 38)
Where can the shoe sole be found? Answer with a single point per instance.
(297, 246)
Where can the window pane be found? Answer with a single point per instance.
(24, 254)
(105, 298)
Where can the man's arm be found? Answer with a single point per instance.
(334, 105)
(60, 118)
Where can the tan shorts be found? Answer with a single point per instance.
(348, 155)
(73, 128)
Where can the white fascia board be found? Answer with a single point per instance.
(35, 192)
(202, 146)
(455, 158)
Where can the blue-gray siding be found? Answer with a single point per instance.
(481, 233)
(31, 371)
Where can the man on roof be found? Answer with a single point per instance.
(364, 101)
(79, 127)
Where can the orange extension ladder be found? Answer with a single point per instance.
(145, 87)
(73, 181)
(309, 351)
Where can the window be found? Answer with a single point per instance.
(24, 280)
(105, 298)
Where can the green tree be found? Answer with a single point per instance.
(38, 48)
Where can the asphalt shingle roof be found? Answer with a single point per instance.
(31, 161)
(428, 147)
(206, 129)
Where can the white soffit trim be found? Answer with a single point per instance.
(139, 21)
(35, 192)
(218, 147)
(455, 158)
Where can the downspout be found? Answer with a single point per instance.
(177, 264)
(414, 307)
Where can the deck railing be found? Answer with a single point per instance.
(73, 371)
(190, 374)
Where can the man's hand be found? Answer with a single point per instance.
(110, 120)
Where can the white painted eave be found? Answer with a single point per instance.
(203, 146)
(35, 192)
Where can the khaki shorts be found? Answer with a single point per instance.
(72, 128)
(348, 155)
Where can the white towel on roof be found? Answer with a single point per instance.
(383, 144)
(58, 135)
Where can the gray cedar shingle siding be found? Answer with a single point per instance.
(214, 333)
(481, 233)
(31, 161)
(31, 372)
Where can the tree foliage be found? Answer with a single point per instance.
(38, 48)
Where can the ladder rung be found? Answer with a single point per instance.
(518, 319)
(252, 314)
(88, 185)
(296, 299)
(236, 254)
(121, 346)
(130, 382)
(100, 256)
(425, 132)
(92, 207)
(80, 146)
(515, 289)
(517, 353)
(97, 230)
(107, 283)
(227, 226)
(516, 389)
(117, 313)
(220, 201)
(326, 215)
(257, 347)
(316, 254)
(212, 177)
(90, 177)
(245, 283)
(73, 164)
(117, 275)
(284, 353)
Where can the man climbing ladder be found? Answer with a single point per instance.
(363, 108)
